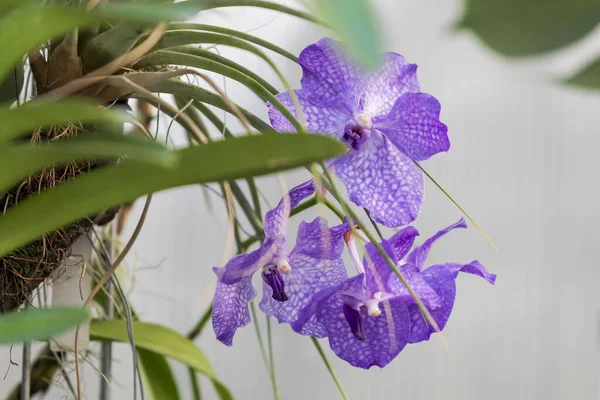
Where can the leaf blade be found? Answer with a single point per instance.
(38, 324)
(157, 376)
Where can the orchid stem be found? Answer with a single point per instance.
(328, 366)
(261, 345)
(271, 359)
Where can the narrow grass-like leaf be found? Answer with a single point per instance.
(173, 58)
(157, 375)
(34, 114)
(155, 338)
(38, 324)
(269, 5)
(329, 367)
(234, 33)
(20, 160)
(217, 161)
(355, 22)
(186, 90)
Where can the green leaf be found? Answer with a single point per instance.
(113, 185)
(109, 45)
(269, 5)
(222, 391)
(588, 77)
(157, 376)
(236, 34)
(155, 338)
(35, 114)
(199, 94)
(40, 324)
(24, 28)
(27, 159)
(356, 25)
(519, 28)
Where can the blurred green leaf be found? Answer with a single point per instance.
(356, 25)
(25, 28)
(34, 114)
(155, 338)
(40, 324)
(222, 391)
(520, 28)
(588, 77)
(22, 160)
(110, 186)
(270, 5)
(110, 44)
(157, 375)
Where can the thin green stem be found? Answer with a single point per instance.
(246, 208)
(456, 204)
(255, 197)
(271, 358)
(197, 330)
(197, 395)
(328, 366)
(373, 223)
(259, 337)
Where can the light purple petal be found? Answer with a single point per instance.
(402, 241)
(383, 180)
(247, 264)
(316, 265)
(414, 127)
(319, 119)
(330, 78)
(394, 78)
(442, 281)
(474, 267)
(386, 335)
(308, 323)
(418, 284)
(419, 255)
(276, 220)
(230, 308)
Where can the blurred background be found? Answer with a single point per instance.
(522, 163)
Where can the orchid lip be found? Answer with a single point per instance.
(354, 319)
(273, 278)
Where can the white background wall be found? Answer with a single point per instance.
(523, 163)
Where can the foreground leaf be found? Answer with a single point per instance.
(34, 114)
(588, 77)
(155, 338)
(20, 161)
(521, 28)
(157, 376)
(355, 23)
(40, 324)
(110, 186)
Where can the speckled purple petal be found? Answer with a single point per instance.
(383, 180)
(394, 78)
(419, 255)
(474, 268)
(386, 335)
(319, 119)
(442, 281)
(276, 220)
(230, 308)
(308, 322)
(418, 284)
(414, 127)
(402, 241)
(316, 263)
(330, 78)
(247, 264)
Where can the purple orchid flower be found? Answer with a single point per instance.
(383, 118)
(289, 279)
(370, 317)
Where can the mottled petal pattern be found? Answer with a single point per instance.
(419, 255)
(385, 335)
(276, 220)
(230, 308)
(383, 180)
(414, 127)
(316, 265)
(394, 78)
(418, 284)
(326, 120)
(329, 77)
(474, 268)
(442, 281)
(402, 241)
(246, 264)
